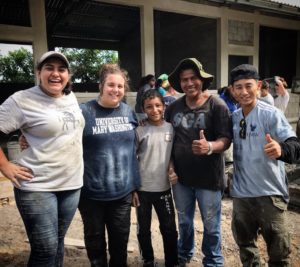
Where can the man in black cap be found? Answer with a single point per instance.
(262, 141)
(202, 132)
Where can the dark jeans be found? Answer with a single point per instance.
(163, 205)
(47, 217)
(113, 215)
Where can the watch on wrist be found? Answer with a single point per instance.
(210, 149)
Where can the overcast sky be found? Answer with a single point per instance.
(5, 48)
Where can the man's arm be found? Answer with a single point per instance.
(290, 150)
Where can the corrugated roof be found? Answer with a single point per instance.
(294, 3)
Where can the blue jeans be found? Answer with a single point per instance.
(47, 217)
(114, 215)
(209, 203)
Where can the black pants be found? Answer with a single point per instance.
(163, 205)
(115, 216)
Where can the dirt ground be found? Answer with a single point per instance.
(14, 249)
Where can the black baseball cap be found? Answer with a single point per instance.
(244, 71)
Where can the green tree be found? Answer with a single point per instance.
(17, 67)
(86, 63)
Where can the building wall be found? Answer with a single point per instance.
(179, 36)
(293, 112)
(225, 43)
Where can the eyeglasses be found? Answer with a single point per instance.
(243, 126)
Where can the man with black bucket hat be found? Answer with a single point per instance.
(203, 130)
(262, 141)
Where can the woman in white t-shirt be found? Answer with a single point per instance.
(265, 94)
(47, 175)
(282, 99)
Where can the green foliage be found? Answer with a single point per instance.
(17, 67)
(86, 63)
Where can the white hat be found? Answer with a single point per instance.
(51, 54)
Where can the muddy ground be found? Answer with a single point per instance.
(14, 249)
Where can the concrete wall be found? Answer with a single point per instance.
(84, 97)
(180, 36)
(292, 112)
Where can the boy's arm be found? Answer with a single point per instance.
(135, 199)
(173, 178)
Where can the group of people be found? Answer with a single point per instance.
(272, 91)
(175, 153)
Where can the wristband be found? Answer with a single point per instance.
(210, 149)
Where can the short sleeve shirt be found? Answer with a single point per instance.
(255, 174)
(205, 171)
(53, 129)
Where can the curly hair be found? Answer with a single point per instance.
(108, 69)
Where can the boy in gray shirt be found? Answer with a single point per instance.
(154, 144)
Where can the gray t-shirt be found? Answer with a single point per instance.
(154, 145)
(53, 129)
(255, 174)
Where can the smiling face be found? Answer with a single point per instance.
(154, 108)
(245, 92)
(112, 90)
(54, 76)
(190, 83)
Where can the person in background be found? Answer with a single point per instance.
(162, 83)
(263, 140)
(202, 126)
(170, 96)
(282, 97)
(47, 176)
(147, 82)
(265, 94)
(111, 173)
(154, 145)
(226, 95)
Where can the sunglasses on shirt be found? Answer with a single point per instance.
(243, 127)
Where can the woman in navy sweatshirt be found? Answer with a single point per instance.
(110, 170)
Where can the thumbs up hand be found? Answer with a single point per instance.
(272, 148)
(201, 134)
(201, 146)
